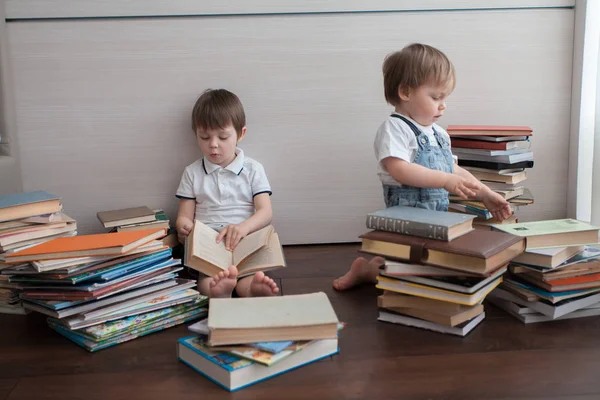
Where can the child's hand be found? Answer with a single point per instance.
(460, 186)
(233, 234)
(496, 205)
(183, 230)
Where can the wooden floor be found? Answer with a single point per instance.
(500, 359)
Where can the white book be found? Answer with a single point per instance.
(460, 330)
(507, 159)
(529, 316)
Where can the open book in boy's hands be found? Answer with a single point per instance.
(259, 251)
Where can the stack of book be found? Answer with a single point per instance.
(133, 219)
(557, 277)
(27, 219)
(247, 340)
(438, 269)
(101, 290)
(498, 157)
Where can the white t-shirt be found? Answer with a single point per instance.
(396, 139)
(224, 196)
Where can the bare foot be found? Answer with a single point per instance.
(223, 283)
(262, 286)
(361, 271)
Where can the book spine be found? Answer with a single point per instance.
(411, 228)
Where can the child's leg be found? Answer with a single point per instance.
(361, 271)
(257, 285)
(220, 285)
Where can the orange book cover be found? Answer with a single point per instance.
(575, 280)
(110, 241)
(489, 130)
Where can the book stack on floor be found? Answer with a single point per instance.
(247, 340)
(438, 269)
(498, 156)
(101, 290)
(27, 219)
(557, 277)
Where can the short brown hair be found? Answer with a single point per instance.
(415, 65)
(217, 109)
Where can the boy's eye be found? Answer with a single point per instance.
(204, 138)
(223, 137)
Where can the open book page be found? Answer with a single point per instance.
(251, 243)
(269, 257)
(204, 246)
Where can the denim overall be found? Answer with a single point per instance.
(433, 157)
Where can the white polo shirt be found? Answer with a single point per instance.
(224, 196)
(395, 139)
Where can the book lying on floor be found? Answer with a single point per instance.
(479, 252)
(259, 251)
(553, 233)
(420, 222)
(550, 257)
(233, 373)
(126, 216)
(266, 319)
(460, 330)
(529, 316)
(86, 245)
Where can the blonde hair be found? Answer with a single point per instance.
(415, 65)
(217, 109)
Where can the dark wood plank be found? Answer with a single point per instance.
(500, 359)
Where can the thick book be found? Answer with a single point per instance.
(494, 164)
(485, 145)
(161, 221)
(266, 319)
(28, 204)
(550, 258)
(512, 177)
(488, 130)
(259, 251)
(86, 245)
(479, 252)
(398, 269)
(126, 216)
(460, 284)
(420, 222)
(414, 289)
(460, 330)
(233, 373)
(553, 233)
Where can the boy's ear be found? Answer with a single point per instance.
(403, 93)
(242, 134)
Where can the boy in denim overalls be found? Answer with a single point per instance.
(415, 164)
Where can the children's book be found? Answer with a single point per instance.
(278, 318)
(413, 221)
(233, 373)
(86, 245)
(259, 251)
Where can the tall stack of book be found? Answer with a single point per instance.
(247, 340)
(101, 290)
(498, 157)
(27, 219)
(557, 277)
(438, 269)
(133, 219)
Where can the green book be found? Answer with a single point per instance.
(553, 233)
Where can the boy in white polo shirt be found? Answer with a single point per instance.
(225, 190)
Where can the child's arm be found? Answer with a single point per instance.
(498, 206)
(185, 218)
(416, 175)
(262, 217)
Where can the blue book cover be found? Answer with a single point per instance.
(273, 347)
(19, 199)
